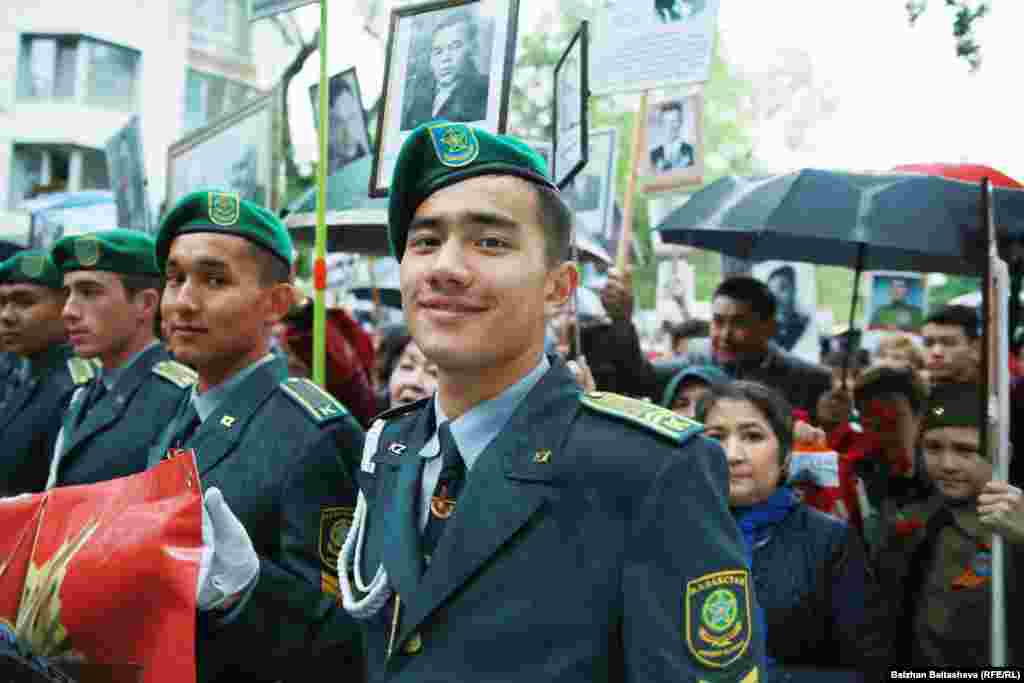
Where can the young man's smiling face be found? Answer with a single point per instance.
(475, 281)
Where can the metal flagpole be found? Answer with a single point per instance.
(320, 247)
(995, 307)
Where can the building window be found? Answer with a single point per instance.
(49, 69)
(44, 169)
(208, 96)
(220, 26)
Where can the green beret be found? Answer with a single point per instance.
(953, 405)
(31, 266)
(439, 154)
(128, 252)
(225, 213)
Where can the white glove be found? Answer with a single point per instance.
(229, 562)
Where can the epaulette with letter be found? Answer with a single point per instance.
(644, 413)
(174, 372)
(81, 370)
(320, 405)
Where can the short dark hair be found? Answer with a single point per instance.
(689, 329)
(787, 271)
(135, 283)
(882, 380)
(672, 105)
(773, 405)
(556, 220)
(963, 317)
(750, 291)
(272, 268)
(455, 18)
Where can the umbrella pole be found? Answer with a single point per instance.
(850, 348)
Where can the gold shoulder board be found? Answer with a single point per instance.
(320, 405)
(81, 370)
(174, 372)
(643, 413)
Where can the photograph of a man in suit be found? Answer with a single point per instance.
(675, 153)
(790, 321)
(455, 89)
(348, 137)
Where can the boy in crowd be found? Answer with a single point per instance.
(937, 560)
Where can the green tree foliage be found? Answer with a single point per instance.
(965, 14)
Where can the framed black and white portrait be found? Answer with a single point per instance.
(674, 151)
(447, 60)
(238, 152)
(590, 194)
(570, 105)
(127, 172)
(348, 135)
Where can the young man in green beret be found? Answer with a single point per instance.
(270, 449)
(937, 562)
(113, 295)
(511, 527)
(31, 300)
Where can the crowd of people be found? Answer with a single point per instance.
(497, 503)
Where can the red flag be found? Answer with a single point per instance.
(106, 574)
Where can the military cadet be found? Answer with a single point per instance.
(937, 560)
(113, 295)
(256, 433)
(31, 299)
(511, 527)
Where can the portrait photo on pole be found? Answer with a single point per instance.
(450, 60)
(127, 171)
(796, 303)
(639, 45)
(238, 152)
(896, 301)
(673, 153)
(348, 134)
(570, 109)
(591, 193)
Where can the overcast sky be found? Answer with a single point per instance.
(903, 95)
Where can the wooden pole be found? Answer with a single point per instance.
(626, 238)
(320, 248)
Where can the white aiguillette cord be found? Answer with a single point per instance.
(377, 592)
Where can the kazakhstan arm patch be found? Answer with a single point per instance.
(644, 413)
(334, 526)
(717, 611)
(177, 374)
(319, 404)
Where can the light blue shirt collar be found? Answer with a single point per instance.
(111, 375)
(210, 400)
(474, 430)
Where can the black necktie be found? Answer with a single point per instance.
(449, 484)
(184, 427)
(96, 391)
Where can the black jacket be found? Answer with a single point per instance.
(822, 605)
(468, 101)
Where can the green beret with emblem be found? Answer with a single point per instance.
(129, 252)
(33, 267)
(439, 154)
(228, 214)
(953, 405)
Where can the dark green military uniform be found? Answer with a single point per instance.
(275, 446)
(32, 415)
(111, 437)
(592, 539)
(898, 315)
(12, 374)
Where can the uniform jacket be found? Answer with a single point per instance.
(569, 557)
(904, 567)
(114, 438)
(822, 606)
(467, 101)
(32, 419)
(272, 448)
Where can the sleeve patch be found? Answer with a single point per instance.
(81, 370)
(717, 613)
(320, 405)
(644, 413)
(180, 375)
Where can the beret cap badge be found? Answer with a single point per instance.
(33, 265)
(224, 208)
(87, 251)
(455, 143)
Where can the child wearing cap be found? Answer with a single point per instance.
(937, 559)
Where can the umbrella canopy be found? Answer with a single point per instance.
(894, 221)
(971, 173)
